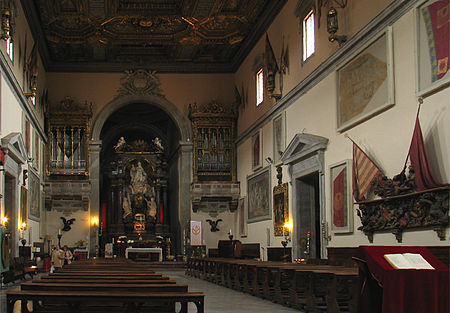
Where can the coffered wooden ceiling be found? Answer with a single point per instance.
(164, 35)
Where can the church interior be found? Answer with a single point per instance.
(299, 132)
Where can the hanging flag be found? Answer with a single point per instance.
(339, 199)
(161, 214)
(103, 216)
(196, 233)
(270, 65)
(436, 17)
(364, 173)
(2, 157)
(423, 174)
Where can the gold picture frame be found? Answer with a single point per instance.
(280, 208)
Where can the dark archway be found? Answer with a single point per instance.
(139, 124)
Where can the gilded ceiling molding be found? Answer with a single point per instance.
(140, 82)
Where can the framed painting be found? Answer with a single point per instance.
(34, 212)
(365, 83)
(432, 46)
(280, 208)
(23, 205)
(242, 217)
(279, 137)
(341, 197)
(258, 195)
(257, 150)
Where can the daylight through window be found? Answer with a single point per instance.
(259, 87)
(308, 35)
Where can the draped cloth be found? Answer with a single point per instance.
(423, 174)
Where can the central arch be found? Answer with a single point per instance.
(183, 155)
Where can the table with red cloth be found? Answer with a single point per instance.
(402, 291)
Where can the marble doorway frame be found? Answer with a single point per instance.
(303, 156)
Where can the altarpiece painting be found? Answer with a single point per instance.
(258, 190)
(34, 212)
(280, 208)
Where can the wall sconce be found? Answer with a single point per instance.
(332, 27)
(6, 24)
(269, 160)
(3, 221)
(94, 222)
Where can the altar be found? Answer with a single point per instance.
(144, 251)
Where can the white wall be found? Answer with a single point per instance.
(79, 229)
(385, 137)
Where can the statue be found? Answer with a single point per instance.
(138, 179)
(120, 144)
(67, 223)
(126, 205)
(158, 143)
(151, 204)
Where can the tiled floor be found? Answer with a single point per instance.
(217, 299)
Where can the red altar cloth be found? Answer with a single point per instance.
(404, 291)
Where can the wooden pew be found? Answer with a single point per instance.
(97, 301)
(105, 280)
(108, 286)
(116, 277)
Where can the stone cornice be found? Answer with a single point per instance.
(21, 98)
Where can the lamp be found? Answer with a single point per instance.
(4, 220)
(23, 226)
(59, 237)
(333, 26)
(269, 160)
(6, 24)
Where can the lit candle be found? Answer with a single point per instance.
(59, 231)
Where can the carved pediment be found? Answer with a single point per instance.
(14, 147)
(303, 145)
(140, 82)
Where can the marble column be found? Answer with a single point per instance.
(94, 203)
(185, 179)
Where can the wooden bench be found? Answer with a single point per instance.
(97, 301)
(105, 286)
(106, 280)
(116, 277)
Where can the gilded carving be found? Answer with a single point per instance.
(140, 82)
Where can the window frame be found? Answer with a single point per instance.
(308, 13)
(10, 48)
(259, 86)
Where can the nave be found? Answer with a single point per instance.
(218, 299)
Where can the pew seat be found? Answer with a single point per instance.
(98, 301)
